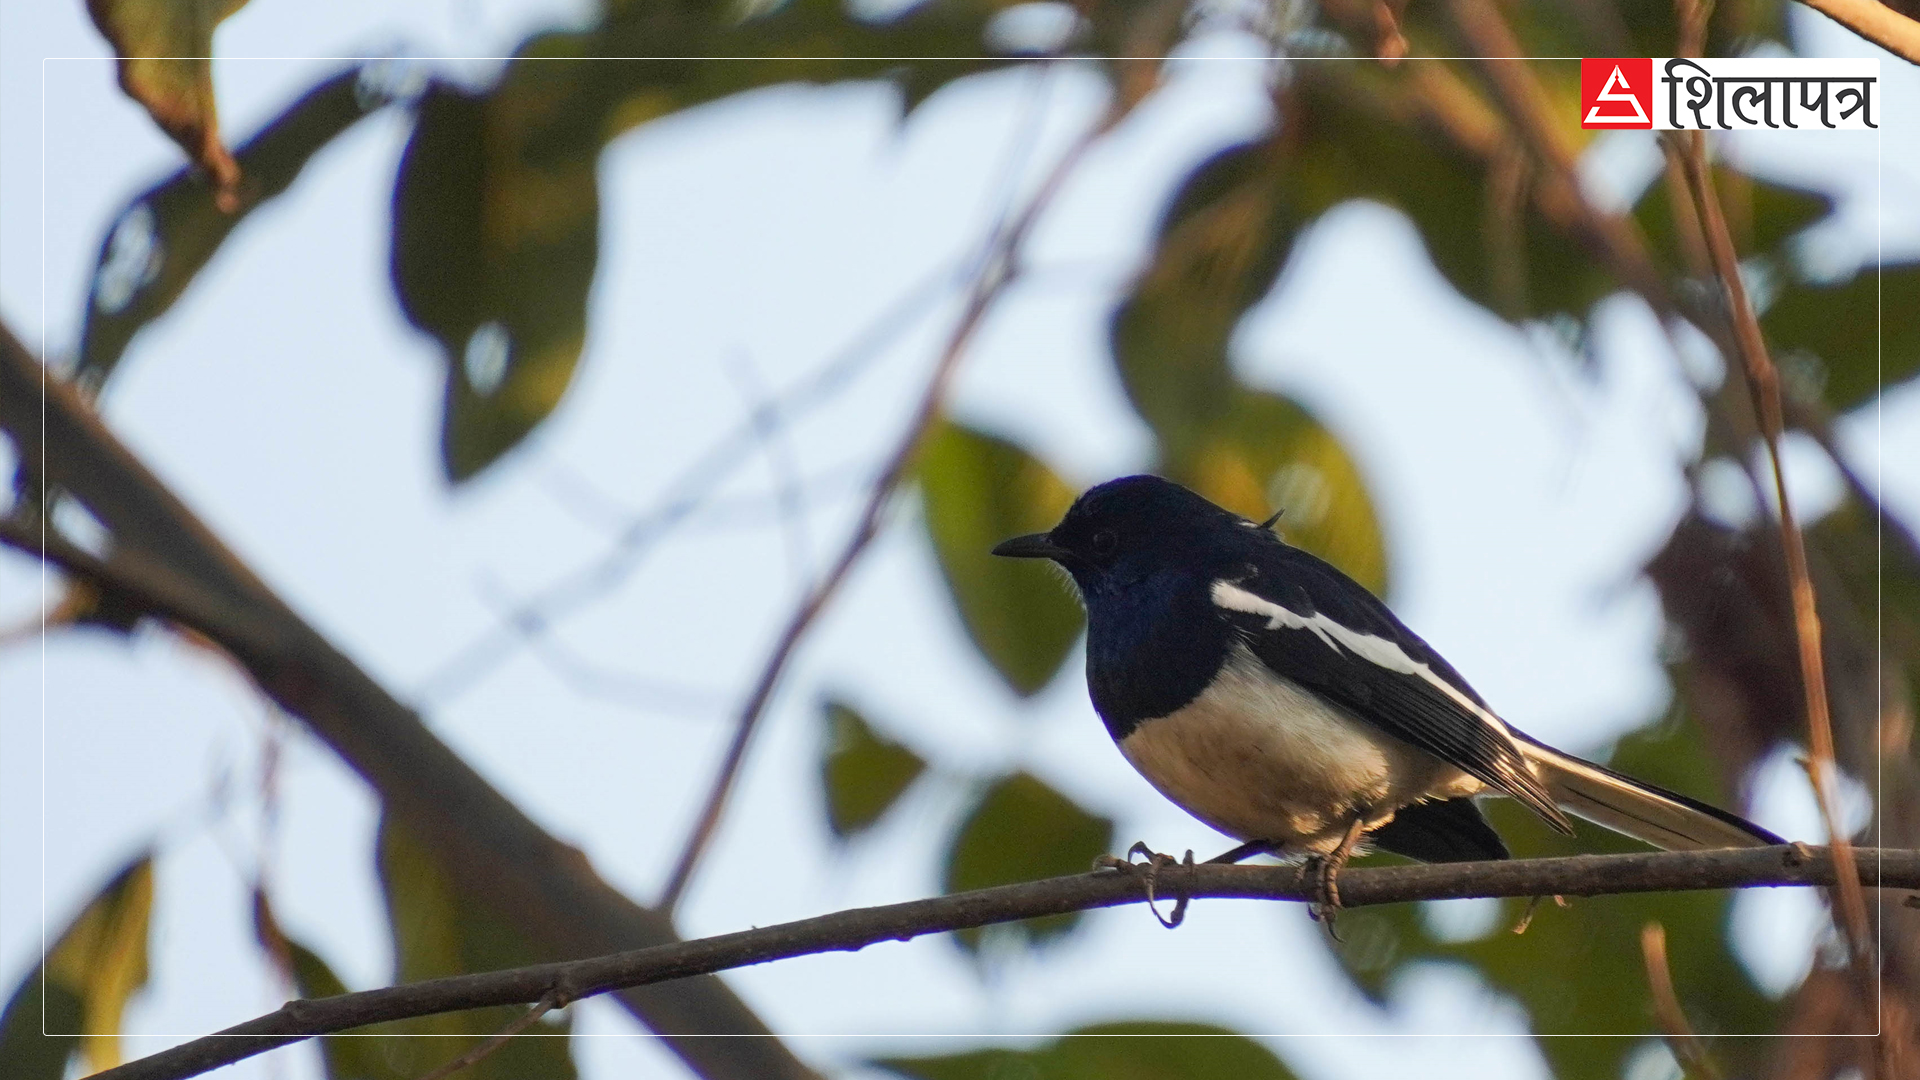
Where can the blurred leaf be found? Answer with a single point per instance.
(979, 490)
(1851, 339)
(1023, 830)
(1220, 243)
(1726, 599)
(30, 1055)
(495, 232)
(159, 242)
(90, 972)
(438, 930)
(1361, 135)
(165, 48)
(1270, 454)
(1879, 577)
(362, 1055)
(863, 773)
(356, 1056)
(1578, 971)
(1761, 216)
(1136, 1050)
(496, 215)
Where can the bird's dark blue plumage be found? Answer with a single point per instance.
(1281, 702)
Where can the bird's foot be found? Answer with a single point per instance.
(1325, 907)
(1533, 905)
(1154, 864)
(1326, 874)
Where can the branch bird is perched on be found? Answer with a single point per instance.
(1277, 700)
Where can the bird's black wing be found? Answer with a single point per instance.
(1314, 625)
(1450, 830)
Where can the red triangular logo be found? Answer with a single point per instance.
(1616, 93)
(1616, 90)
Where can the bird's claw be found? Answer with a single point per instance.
(1155, 862)
(1326, 872)
(1326, 891)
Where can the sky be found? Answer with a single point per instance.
(745, 245)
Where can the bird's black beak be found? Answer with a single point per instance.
(1036, 546)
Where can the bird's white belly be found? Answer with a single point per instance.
(1259, 758)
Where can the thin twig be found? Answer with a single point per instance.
(493, 1042)
(1534, 117)
(1686, 1046)
(1694, 16)
(592, 679)
(783, 464)
(845, 931)
(1763, 382)
(165, 558)
(1389, 44)
(686, 495)
(999, 265)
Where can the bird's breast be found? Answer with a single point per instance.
(1258, 757)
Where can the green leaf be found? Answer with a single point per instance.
(1220, 243)
(863, 773)
(1578, 971)
(1268, 453)
(159, 242)
(440, 929)
(1761, 216)
(979, 490)
(99, 961)
(1136, 1050)
(29, 1054)
(1851, 339)
(362, 1055)
(495, 232)
(165, 50)
(1023, 830)
(1358, 139)
(496, 215)
(359, 1055)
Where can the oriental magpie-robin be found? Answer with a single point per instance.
(1278, 701)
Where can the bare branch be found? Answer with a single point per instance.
(1763, 383)
(589, 678)
(783, 463)
(1686, 1046)
(493, 1042)
(164, 555)
(845, 931)
(999, 265)
(692, 490)
(1876, 22)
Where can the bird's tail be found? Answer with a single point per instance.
(1665, 819)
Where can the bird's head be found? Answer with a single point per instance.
(1128, 529)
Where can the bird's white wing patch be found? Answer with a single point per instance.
(1369, 647)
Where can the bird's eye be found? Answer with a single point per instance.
(1104, 542)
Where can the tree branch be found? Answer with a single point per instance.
(1876, 22)
(998, 267)
(689, 492)
(162, 551)
(1763, 384)
(1681, 1041)
(845, 931)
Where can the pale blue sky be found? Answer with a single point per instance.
(748, 242)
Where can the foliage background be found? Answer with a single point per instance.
(1519, 485)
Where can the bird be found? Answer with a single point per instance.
(1280, 702)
